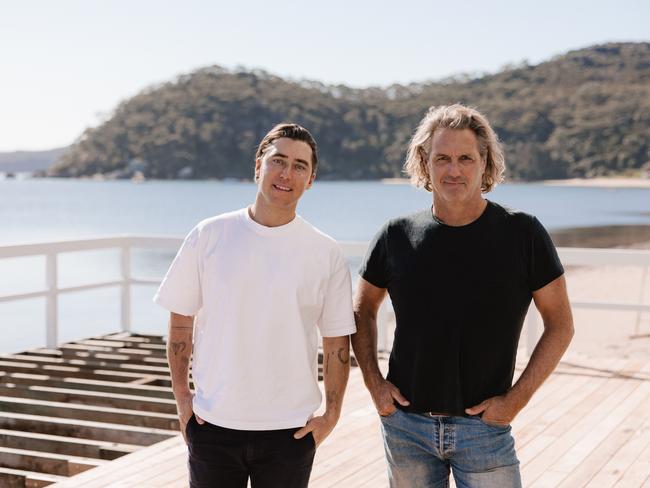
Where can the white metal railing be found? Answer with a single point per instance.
(51, 251)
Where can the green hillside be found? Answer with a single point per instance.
(585, 113)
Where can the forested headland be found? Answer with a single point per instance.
(585, 113)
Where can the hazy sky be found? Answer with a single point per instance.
(65, 64)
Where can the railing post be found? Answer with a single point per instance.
(125, 300)
(637, 326)
(532, 329)
(51, 301)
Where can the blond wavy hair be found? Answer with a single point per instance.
(458, 117)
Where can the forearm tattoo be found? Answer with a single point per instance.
(178, 347)
(342, 355)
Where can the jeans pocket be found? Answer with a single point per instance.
(313, 440)
(187, 427)
(494, 426)
(390, 415)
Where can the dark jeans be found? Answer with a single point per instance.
(226, 458)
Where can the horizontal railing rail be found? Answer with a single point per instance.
(126, 243)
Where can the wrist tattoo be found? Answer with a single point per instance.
(178, 347)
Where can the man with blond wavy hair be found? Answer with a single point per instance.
(461, 275)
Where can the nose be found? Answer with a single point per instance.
(454, 168)
(286, 171)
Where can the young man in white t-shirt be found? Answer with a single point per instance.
(249, 289)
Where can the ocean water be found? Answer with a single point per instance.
(46, 210)
(49, 209)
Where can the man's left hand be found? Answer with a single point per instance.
(497, 410)
(320, 427)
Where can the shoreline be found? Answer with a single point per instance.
(602, 182)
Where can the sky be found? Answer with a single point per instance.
(65, 65)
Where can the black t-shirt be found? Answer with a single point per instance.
(460, 296)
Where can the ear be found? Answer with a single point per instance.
(311, 181)
(258, 166)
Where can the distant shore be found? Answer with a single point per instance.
(604, 182)
(608, 182)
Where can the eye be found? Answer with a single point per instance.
(300, 167)
(277, 161)
(466, 159)
(441, 159)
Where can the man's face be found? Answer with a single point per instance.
(284, 172)
(455, 166)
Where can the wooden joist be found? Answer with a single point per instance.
(86, 412)
(84, 429)
(115, 362)
(154, 360)
(86, 384)
(50, 463)
(64, 445)
(16, 478)
(69, 395)
(74, 371)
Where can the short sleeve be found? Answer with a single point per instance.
(374, 268)
(337, 318)
(180, 290)
(544, 263)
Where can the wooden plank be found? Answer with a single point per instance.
(64, 445)
(119, 364)
(162, 467)
(594, 451)
(15, 478)
(118, 470)
(160, 347)
(629, 442)
(86, 384)
(136, 353)
(67, 395)
(134, 337)
(84, 429)
(89, 412)
(73, 372)
(637, 473)
(90, 360)
(572, 443)
(49, 463)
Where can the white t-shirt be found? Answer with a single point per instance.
(259, 294)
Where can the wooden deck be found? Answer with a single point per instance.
(589, 425)
(77, 407)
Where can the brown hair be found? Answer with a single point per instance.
(458, 117)
(291, 131)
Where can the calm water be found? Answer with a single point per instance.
(38, 210)
(58, 209)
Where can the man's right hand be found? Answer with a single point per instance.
(185, 412)
(384, 395)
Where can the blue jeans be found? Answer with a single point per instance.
(422, 449)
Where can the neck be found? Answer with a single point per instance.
(270, 217)
(460, 214)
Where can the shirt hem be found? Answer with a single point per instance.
(339, 332)
(172, 307)
(244, 425)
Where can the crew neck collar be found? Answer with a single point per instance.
(265, 230)
(465, 226)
